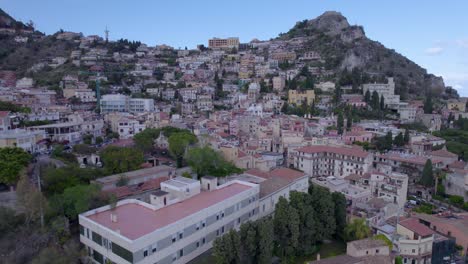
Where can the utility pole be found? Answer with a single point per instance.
(106, 32)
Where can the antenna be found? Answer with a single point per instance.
(107, 34)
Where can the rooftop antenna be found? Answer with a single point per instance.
(107, 34)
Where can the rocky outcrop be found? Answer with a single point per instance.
(346, 46)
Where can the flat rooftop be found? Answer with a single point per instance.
(135, 174)
(135, 220)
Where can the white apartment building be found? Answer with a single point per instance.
(407, 113)
(140, 105)
(85, 95)
(127, 128)
(122, 103)
(188, 94)
(279, 82)
(181, 223)
(21, 138)
(114, 103)
(387, 90)
(204, 103)
(392, 187)
(338, 161)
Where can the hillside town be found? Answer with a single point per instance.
(235, 151)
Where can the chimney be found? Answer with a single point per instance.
(113, 217)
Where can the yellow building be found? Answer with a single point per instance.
(297, 97)
(223, 43)
(456, 106)
(229, 153)
(27, 140)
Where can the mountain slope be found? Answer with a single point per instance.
(346, 47)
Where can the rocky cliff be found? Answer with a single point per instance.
(344, 46)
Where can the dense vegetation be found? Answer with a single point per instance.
(297, 228)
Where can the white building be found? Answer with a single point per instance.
(279, 82)
(127, 127)
(173, 229)
(338, 161)
(122, 103)
(387, 90)
(21, 138)
(326, 86)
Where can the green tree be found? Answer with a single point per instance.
(12, 161)
(286, 229)
(427, 178)
(428, 105)
(406, 136)
(340, 213)
(340, 123)
(375, 101)
(356, 230)
(265, 241)
(302, 202)
(206, 161)
(367, 97)
(99, 140)
(349, 122)
(178, 143)
(226, 248)
(322, 202)
(77, 199)
(30, 200)
(389, 140)
(9, 221)
(400, 140)
(119, 160)
(382, 103)
(123, 181)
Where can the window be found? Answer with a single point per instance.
(174, 238)
(122, 252)
(222, 215)
(238, 220)
(203, 224)
(217, 232)
(97, 238)
(217, 217)
(222, 230)
(181, 253)
(377, 251)
(181, 235)
(367, 252)
(197, 227)
(203, 241)
(145, 253)
(413, 250)
(154, 249)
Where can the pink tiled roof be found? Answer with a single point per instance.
(337, 150)
(285, 173)
(4, 113)
(135, 221)
(414, 225)
(459, 164)
(444, 153)
(258, 173)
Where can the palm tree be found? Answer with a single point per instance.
(356, 230)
